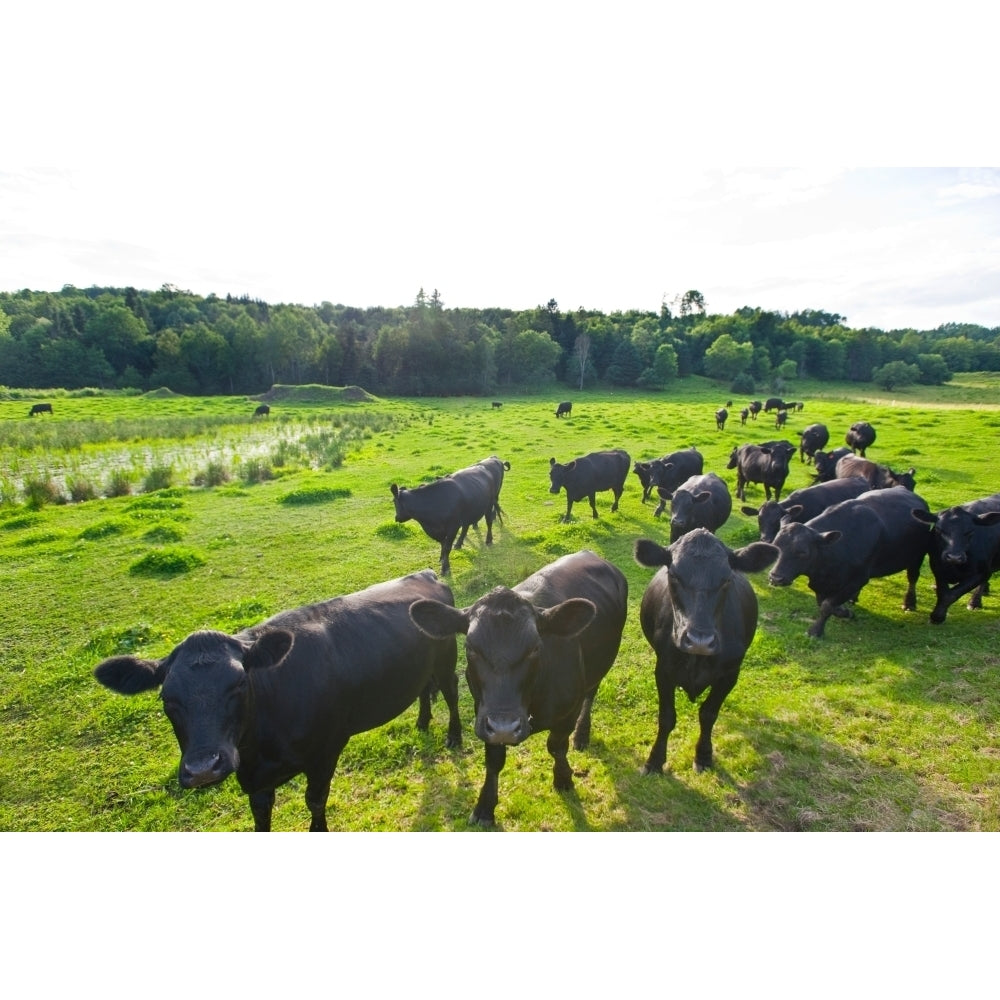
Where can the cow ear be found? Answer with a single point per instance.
(924, 516)
(753, 557)
(985, 520)
(650, 553)
(394, 489)
(750, 511)
(269, 649)
(567, 619)
(829, 537)
(130, 674)
(552, 462)
(664, 494)
(438, 620)
(794, 511)
(702, 497)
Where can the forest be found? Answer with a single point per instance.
(124, 338)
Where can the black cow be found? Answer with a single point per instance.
(284, 697)
(860, 436)
(40, 408)
(744, 413)
(535, 656)
(854, 541)
(497, 405)
(825, 463)
(721, 416)
(781, 418)
(964, 551)
(447, 507)
(699, 502)
(590, 475)
(669, 472)
(796, 406)
(804, 504)
(766, 464)
(754, 408)
(699, 614)
(811, 440)
(564, 409)
(262, 411)
(775, 403)
(881, 477)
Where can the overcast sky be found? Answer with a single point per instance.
(605, 156)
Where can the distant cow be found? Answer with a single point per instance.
(564, 409)
(775, 403)
(765, 464)
(535, 656)
(860, 436)
(851, 543)
(588, 476)
(262, 411)
(40, 408)
(496, 404)
(754, 408)
(721, 416)
(284, 697)
(447, 507)
(699, 502)
(825, 463)
(796, 406)
(804, 504)
(811, 440)
(669, 471)
(881, 477)
(781, 419)
(964, 551)
(744, 413)
(699, 614)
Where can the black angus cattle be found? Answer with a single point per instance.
(497, 405)
(447, 507)
(881, 477)
(721, 416)
(754, 408)
(860, 436)
(744, 413)
(40, 408)
(766, 464)
(699, 502)
(811, 440)
(825, 463)
(775, 403)
(964, 551)
(840, 550)
(669, 472)
(564, 409)
(781, 418)
(699, 614)
(535, 657)
(284, 697)
(804, 504)
(796, 406)
(262, 411)
(588, 476)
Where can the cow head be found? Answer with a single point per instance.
(684, 512)
(801, 552)
(954, 530)
(205, 691)
(505, 638)
(557, 474)
(399, 500)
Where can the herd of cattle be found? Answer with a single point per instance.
(283, 698)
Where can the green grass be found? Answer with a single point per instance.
(888, 723)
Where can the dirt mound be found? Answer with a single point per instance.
(316, 394)
(162, 393)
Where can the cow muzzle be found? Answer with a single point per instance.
(209, 769)
(699, 643)
(505, 730)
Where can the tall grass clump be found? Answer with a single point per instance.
(160, 477)
(81, 489)
(41, 490)
(255, 470)
(8, 492)
(119, 484)
(215, 473)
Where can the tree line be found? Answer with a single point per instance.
(127, 338)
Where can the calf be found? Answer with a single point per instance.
(860, 436)
(744, 413)
(881, 477)
(284, 697)
(535, 656)
(699, 614)
(825, 463)
(40, 408)
(840, 550)
(964, 551)
(811, 440)
(755, 408)
(588, 476)
(804, 504)
(564, 409)
(721, 416)
(262, 411)
(699, 502)
(781, 419)
(766, 464)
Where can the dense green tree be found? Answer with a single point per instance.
(895, 375)
(725, 358)
(626, 366)
(933, 369)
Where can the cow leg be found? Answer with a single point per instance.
(707, 714)
(593, 503)
(569, 510)
(976, 601)
(618, 496)
(261, 805)
(460, 541)
(581, 731)
(424, 711)
(666, 720)
(489, 528)
(446, 546)
(562, 774)
(496, 757)
(947, 596)
(448, 683)
(910, 597)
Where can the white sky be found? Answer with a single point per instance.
(604, 155)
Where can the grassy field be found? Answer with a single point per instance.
(888, 723)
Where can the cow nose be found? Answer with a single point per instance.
(208, 770)
(954, 559)
(699, 643)
(508, 731)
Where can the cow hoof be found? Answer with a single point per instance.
(484, 821)
(651, 769)
(937, 619)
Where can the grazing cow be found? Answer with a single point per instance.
(881, 477)
(796, 406)
(699, 502)
(262, 411)
(964, 551)
(40, 408)
(825, 463)
(811, 440)
(854, 541)
(744, 413)
(284, 697)
(766, 464)
(804, 504)
(450, 505)
(721, 416)
(699, 614)
(535, 657)
(860, 436)
(754, 408)
(775, 403)
(781, 418)
(564, 409)
(588, 476)
(497, 405)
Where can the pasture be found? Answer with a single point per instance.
(888, 723)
